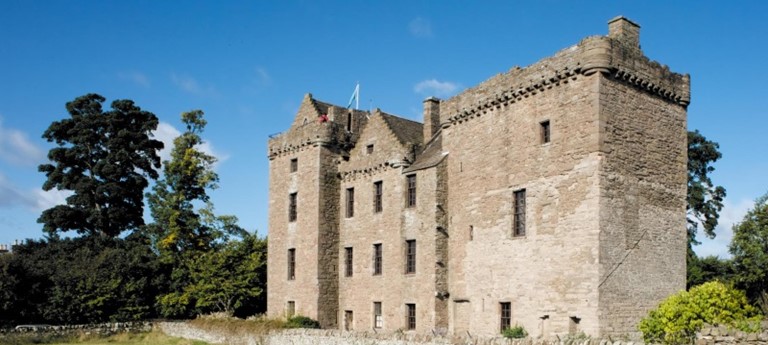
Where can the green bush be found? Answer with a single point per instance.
(516, 332)
(680, 316)
(299, 321)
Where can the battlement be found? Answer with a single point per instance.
(616, 56)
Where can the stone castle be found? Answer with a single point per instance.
(551, 197)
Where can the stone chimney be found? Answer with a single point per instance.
(431, 117)
(625, 31)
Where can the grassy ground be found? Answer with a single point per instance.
(152, 338)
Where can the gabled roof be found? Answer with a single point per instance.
(431, 156)
(406, 131)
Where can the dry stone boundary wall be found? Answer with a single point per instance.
(708, 336)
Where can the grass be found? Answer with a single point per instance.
(152, 338)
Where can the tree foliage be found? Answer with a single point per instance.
(707, 269)
(105, 158)
(680, 316)
(705, 200)
(749, 248)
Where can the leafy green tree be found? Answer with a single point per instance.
(680, 316)
(707, 269)
(705, 200)
(105, 158)
(226, 279)
(185, 227)
(749, 248)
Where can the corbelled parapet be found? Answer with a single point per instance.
(617, 56)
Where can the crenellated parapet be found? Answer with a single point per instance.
(617, 56)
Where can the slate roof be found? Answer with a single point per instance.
(406, 131)
(431, 156)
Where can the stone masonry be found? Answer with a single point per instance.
(550, 197)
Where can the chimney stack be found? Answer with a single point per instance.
(431, 117)
(625, 31)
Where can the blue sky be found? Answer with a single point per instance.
(247, 64)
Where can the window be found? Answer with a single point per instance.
(348, 262)
(294, 165)
(573, 325)
(377, 194)
(291, 264)
(369, 149)
(410, 316)
(290, 309)
(506, 315)
(411, 190)
(377, 259)
(292, 208)
(378, 320)
(350, 202)
(348, 320)
(410, 256)
(545, 134)
(519, 222)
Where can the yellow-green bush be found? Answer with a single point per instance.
(680, 316)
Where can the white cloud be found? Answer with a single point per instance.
(731, 214)
(166, 133)
(10, 196)
(135, 77)
(420, 27)
(433, 87)
(263, 77)
(47, 199)
(16, 148)
(191, 85)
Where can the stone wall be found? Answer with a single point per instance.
(101, 329)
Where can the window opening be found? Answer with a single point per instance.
(348, 261)
(377, 257)
(410, 316)
(519, 223)
(377, 196)
(350, 202)
(378, 319)
(411, 190)
(545, 132)
(292, 207)
(505, 309)
(410, 256)
(292, 264)
(294, 165)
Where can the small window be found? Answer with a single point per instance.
(292, 264)
(545, 134)
(410, 256)
(348, 261)
(378, 319)
(519, 222)
(410, 316)
(411, 190)
(377, 259)
(471, 232)
(573, 325)
(505, 309)
(378, 190)
(350, 202)
(292, 207)
(294, 165)
(349, 320)
(369, 149)
(290, 309)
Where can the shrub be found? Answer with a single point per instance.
(299, 321)
(516, 332)
(680, 316)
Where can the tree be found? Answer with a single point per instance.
(749, 248)
(705, 200)
(226, 279)
(185, 226)
(707, 269)
(178, 226)
(105, 158)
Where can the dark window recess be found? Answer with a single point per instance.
(290, 309)
(294, 165)
(350, 202)
(506, 315)
(292, 207)
(378, 190)
(377, 257)
(410, 256)
(349, 320)
(378, 320)
(410, 316)
(291, 264)
(369, 149)
(411, 190)
(348, 269)
(573, 325)
(545, 132)
(519, 225)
